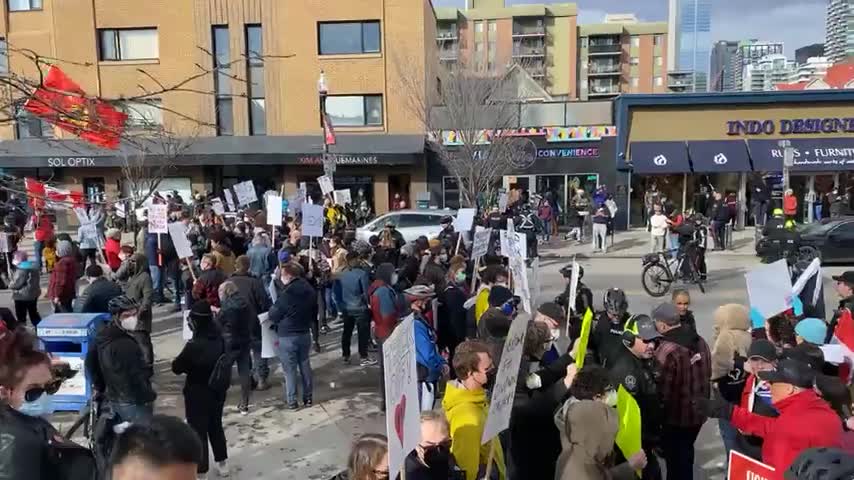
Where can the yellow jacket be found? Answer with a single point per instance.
(481, 304)
(466, 411)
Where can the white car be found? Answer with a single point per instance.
(410, 223)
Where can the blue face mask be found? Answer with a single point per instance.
(507, 309)
(41, 407)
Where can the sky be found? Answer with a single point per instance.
(794, 22)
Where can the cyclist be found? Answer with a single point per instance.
(583, 300)
(606, 334)
(692, 244)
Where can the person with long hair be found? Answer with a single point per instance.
(368, 459)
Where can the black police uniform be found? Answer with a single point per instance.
(606, 339)
(583, 300)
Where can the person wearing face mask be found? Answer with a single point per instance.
(805, 419)
(756, 396)
(466, 407)
(431, 365)
(26, 289)
(635, 371)
(206, 286)
(452, 312)
(490, 276)
(495, 323)
(432, 458)
(31, 445)
(117, 365)
(385, 312)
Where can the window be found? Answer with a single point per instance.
(355, 110)
(478, 47)
(492, 26)
(223, 105)
(255, 76)
(338, 38)
(129, 44)
(24, 5)
(635, 82)
(478, 26)
(659, 81)
(28, 125)
(144, 114)
(634, 61)
(4, 57)
(635, 41)
(658, 40)
(583, 42)
(659, 61)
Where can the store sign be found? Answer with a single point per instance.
(71, 162)
(797, 126)
(581, 152)
(809, 154)
(339, 160)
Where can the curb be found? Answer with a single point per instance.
(624, 256)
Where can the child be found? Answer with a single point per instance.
(49, 253)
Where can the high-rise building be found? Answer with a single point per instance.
(721, 72)
(767, 72)
(808, 51)
(690, 41)
(839, 30)
(750, 52)
(569, 61)
(813, 68)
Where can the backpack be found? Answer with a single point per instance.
(220, 378)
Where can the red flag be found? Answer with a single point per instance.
(36, 192)
(61, 102)
(328, 131)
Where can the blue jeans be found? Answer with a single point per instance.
(674, 244)
(294, 353)
(331, 309)
(547, 229)
(37, 253)
(729, 435)
(156, 281)
(133, 413)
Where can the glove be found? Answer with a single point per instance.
(714, 407)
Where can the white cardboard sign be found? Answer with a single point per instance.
(769, 288)
(464, 220)
(481, 242)
(158, 218)
(513, 244)
(520, 282)
(178, 232)
(403, 424)
(274, 210)
(312, 220)
(216, 205)
(326, 186)
(268, 337)
(573, 287)
(229, 199)
(245, 192)
(186, 332)
(342, 197)
(501, 403)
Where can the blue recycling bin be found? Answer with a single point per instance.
(67, 336)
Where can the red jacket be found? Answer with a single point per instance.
(384, 309)
(62, 279)
(44, 229)
(790, 204)
(112, 247)
(805, 421)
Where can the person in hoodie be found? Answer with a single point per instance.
(234, 322)
(684, 362)
(97, 296)
(730, 344)
(26, 289)
(139, 288)
(117, 365)
(60, 287)
(491, 275)
(495, 323)
(452, 311)
(466, 408)
(353, 303)
(203, 405)
(293, 315)
(386, 312)
(206, 287)
(262, 259)
(257, 299)
(431, 365)
(222, 252)
(805, 419)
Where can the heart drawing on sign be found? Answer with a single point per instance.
(399, 413)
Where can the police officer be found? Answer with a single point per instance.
(634, 370)
(448, 237)
(606, 335)
(583, 300)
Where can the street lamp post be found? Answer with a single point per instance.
(788, 160)
(322, 92)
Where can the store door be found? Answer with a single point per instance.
(94, 188)
(555, 187)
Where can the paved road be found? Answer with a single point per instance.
(274, 443)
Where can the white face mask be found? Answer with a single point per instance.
(555, 333)
(130, 323)
(394, 279)
(610, 398)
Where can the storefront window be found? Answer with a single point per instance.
(450, 193)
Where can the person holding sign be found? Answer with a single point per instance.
(431, 365)
(466, 407)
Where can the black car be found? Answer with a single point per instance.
(832, 241)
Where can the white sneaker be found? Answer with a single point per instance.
(222, 468)
(202, 476)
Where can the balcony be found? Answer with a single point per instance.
(530, 31)
(528, 52)
(603, 90)
(447, 36)
(448, 54)
(605, 49)
(604, 69)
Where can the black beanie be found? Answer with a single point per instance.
(499, 295)
(553, 311)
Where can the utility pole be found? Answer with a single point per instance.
(788, 161)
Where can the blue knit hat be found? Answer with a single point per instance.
(812, 330)
(284, 256)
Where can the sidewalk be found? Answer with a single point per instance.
(635, 243)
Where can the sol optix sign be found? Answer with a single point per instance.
(71, 162)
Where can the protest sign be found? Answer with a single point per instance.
(120, 210)
(629, 417)
(504, 389)
(403, 424)
(178, 232)
(464, 220)
(4, 242)
(245, 192)
(513, 244)
(158, 218)
(312, 220)
(573, 288)
(520, 282)
(274, 210)
(342, 197)
(216, 205)
(742, 467)
(481, 242)
(769, 288)
(502, 201)
(326, 186)
(268, 337)
(536, 289)
(229, 199)
(581, 350)
(186, 333)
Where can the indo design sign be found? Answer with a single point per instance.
(795, 126)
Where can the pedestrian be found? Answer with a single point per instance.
(492, 275)
(257, 299)
(140, 289)
(684, 364)
(63, 277)
(606, 337)
(156, 267)
(262, 259)
(432, 458)
(451, 321)
(26, 289)
(842, 317)
(354, 283)
(756, 396)
(96, 297)
(730, 346)
(222, 252)
(386, 310)
(43, 232)
(658, 229)
(292, 315)
(600, 229)
(811, 330)
(466, 407)
(368, 459)
(790, 204)
(203, 403)
(720, 218)
(431, 365)
(234, 323)
(164, 448)
(112, 247)
(681, 299)
(545, 214)
(89, 233)
(494, 325)
(206, 287)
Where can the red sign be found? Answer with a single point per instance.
(742, 467)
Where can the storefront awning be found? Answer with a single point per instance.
(810, 155)
(649, 158)
(719, 156)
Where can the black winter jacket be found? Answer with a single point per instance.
(198, 359)
(96, 297)
(257, 300)
(295, 311)
(117, 367)
(234, 322)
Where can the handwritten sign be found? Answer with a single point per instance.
(481, 242)
(325, 184)
(245, 192)
(178, 233)
(513, 244)
(504, 390)
(216, 205)
(186, 331)
(229, 199)
(464, 220)
(520, 282)
(312, 220)
(274, 210)
(742, 467)
(158, 218)
(268, 337)
(403, 424)
(342, 197)
(769, 288)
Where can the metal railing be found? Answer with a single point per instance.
(604, 48)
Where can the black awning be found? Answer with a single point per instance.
(650, 158)
(719, 156)
(810, 155)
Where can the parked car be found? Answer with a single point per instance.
(410, 223)
(832, 241)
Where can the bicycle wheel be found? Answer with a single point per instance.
(656, 280)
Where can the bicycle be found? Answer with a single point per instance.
(658, 276)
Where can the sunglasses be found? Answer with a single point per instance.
(35, 393)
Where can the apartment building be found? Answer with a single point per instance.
(839, 30)
(259, 118)
(750, 52)
(765, 74)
